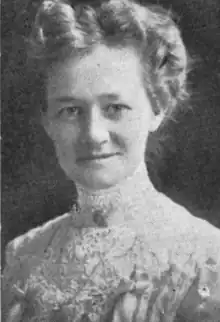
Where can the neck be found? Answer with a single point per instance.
(119, 203)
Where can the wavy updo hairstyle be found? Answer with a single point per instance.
(66, 28)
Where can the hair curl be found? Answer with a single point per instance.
(62, 29)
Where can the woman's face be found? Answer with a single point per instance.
(99, 116)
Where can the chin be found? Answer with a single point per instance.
(97, 181)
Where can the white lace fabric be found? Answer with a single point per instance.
(120, 257)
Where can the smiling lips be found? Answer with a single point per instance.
(94, 157)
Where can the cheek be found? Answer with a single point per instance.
(132, 140)
(64, 137)
(137, 130)
(65, 134)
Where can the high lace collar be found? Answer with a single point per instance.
(117, 204)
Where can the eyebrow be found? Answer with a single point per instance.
(70, 98)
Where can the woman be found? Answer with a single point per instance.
(112, 72)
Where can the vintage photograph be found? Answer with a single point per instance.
(110, 161)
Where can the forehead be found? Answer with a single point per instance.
(103, 70)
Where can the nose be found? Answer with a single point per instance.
(95, 130)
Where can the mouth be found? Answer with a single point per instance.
(96, 157)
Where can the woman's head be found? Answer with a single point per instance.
(112, 72)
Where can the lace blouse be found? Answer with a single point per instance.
(65, 272)
(126, 254)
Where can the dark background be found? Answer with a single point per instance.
(185, 165)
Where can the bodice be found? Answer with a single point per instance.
(104, 273)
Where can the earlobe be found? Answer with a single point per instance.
(156, 121)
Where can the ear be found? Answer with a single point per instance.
(156, 121)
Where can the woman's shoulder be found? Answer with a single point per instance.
(36, 240)
(176, 223)
(22, 254)
(178, 215)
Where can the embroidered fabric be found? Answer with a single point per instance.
(117, 204)
(120, 257)
(105, 275)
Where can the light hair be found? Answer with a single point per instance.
(61, 29)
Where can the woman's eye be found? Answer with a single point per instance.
(69, 111)
(116, 109)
